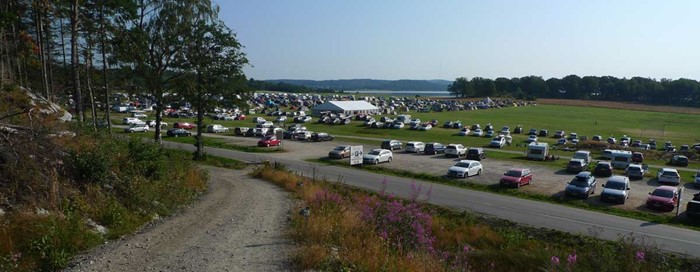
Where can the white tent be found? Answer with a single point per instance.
(345, 107)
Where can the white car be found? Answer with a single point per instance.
(465, 168)
(377, 156)
(415, 147)
(152, 123)
(216, 128)
(669, 175)
(425, 127)
(303, 135)
(137, 128)
(532, 138)
(478, 132)
(139, 115)
(455, 150)
(130, 120)
(398, 125)
(464, 131)
(498, 142)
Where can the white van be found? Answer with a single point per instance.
(584, 155)
(537, 151)
(621, 159)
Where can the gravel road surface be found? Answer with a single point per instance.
(239, 225)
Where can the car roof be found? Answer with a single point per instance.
(603, 162)
(618, 178)
(669, 170)
(517, 169)
(467, 161)
(576, 160)
(584, 174)
(454, 144)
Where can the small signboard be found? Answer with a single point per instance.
(280, 135)
(356, 154)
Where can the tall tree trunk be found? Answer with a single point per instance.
(63, 49)
(88, 80)
(159, 110)
(49, 55)
(77, 94)
(103, 51)
(199, 153)
(39, 12)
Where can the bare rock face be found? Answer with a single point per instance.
(96, 227)
(46, 107)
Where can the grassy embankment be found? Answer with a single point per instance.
(350, 229)
(117, 183)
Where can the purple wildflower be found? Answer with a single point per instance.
(555, 260)
(640, 256)
(466, 249)
(571, 259)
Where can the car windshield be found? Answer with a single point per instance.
(462, 164)
(513, 173)
(615, 185)
(340, 148)
(602, 166)
(669, 173)
(374, 152)
(663, 193)
(575, 163)
(269, 138)
(451, 147)
(580, 182)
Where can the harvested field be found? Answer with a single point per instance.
(618, 105)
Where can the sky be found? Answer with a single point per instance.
(446, 39)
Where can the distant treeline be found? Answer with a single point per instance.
(284, 87)
(370, 84)
(679, 92)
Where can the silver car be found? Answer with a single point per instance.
(377, 156)
(616, 189)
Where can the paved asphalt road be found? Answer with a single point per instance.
(534, 213)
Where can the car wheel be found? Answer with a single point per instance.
(376, 161)
(389, 159)
(517, 185)
(177, 135)
(479, 173)
(268, 145)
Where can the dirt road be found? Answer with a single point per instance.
(239, 225)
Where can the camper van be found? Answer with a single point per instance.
(537, 151)
(621, 159)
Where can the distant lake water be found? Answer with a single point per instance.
(401, 93)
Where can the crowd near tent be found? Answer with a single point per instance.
(345, 107)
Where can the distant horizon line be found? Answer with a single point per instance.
(545, 78)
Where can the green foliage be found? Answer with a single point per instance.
(90, 167)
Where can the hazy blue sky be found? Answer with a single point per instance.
(447, 39)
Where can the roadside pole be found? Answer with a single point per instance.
(680, 194)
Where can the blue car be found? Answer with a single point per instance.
(434, 148)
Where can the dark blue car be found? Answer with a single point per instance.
(434, 148)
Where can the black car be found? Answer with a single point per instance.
(447, 124)
(321, 136)
(476, 153)
(678, 160)
(603, 169)
(392, 144)
(434, 148)
(178, 132)
(543, 133)
(457, 124)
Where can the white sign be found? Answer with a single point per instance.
(356, 154)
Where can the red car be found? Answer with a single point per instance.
(239, 117)
(516, 177)
(269, 141)
(663, 198)
(637, 157)
(184, 125)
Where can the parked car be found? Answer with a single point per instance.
(455, 150)
(697, 180)
(476, 153)
(464, 131)
(425, 127)
(478, 133)
(518, 129)
(693, 207)
(392, 144)
(516, 177)
(303, 135)
(476, 126)
(434, 148)
(377, 156)
(636, 171)
(532, 138)
(561, 141)
(583, 185)
(498, 142)
(152, 123)
(597, 138)
(216, 128)
(668, 176)
(340, 152)
(464, 169)
(130, 120)
(139, 115)
(239, 117)
(268, 141)
(240, 131)
(637, 157)
(397, 125)
(616, 190)
(321, 136)
(447, 124)
(178, 132)
(457, 124)
(678, 160)
(603, 169)
(576, 166)
(612, 140)
(533, 131)
(560, 134)
(136, 128)
(543, 133)
(183, 125)
(415, 147)
(260, 132)
(489, 133)
(663, 198)
(505, 130)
